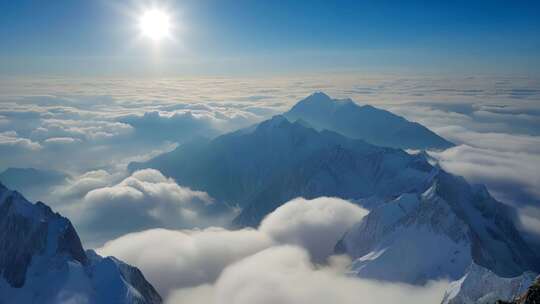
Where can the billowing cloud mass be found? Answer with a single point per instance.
(273, 264)
(77, 187)
(144, 200)
(511, 174)
(286, 275)
(188, 258)
(315, 224)
(174, 259)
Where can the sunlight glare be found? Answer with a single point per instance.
(155, 24)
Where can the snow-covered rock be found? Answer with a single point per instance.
(481, 286)
(42, 261)
(437, 234)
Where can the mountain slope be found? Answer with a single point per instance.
(440, 232)
(531, 296)
(42, 261)
(479, 285)
(368, 123)
(263, 167)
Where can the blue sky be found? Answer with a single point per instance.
(100, 37)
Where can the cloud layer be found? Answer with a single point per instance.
(276, 263)
(146, 199)
(285, 274)
(187, 258)
(315, 224)
(77, 125)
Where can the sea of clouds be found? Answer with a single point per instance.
(91, 129)
(87, 124)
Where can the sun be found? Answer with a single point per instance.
(155, 24)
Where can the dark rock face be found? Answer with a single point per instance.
(532, 296)
(16, 249)
(33, 231)
(25, 233)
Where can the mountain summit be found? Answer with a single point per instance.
(376, 126)
(42, 261)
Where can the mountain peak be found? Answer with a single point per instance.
(371, 124)
(43, 255)
(318, 96)
(275, 122)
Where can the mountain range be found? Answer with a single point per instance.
(262, 167)
(438, 221)
(423, 223)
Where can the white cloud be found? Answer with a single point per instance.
(512, 176)
(61, 140)
(10, 139)
(286, 275)
(498, 142)
(503, 142)
(530, 219)
(188, 258)
(147, 199)
(174, 259)
(315, 224)
(79, 186)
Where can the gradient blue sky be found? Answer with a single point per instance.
(67, 37)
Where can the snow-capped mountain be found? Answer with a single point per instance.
(481, 286)
(371, 124)
(262, 167)
(436, 221)
(42, 261)
(437, 234)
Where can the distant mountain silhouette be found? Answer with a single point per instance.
(371, 124)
